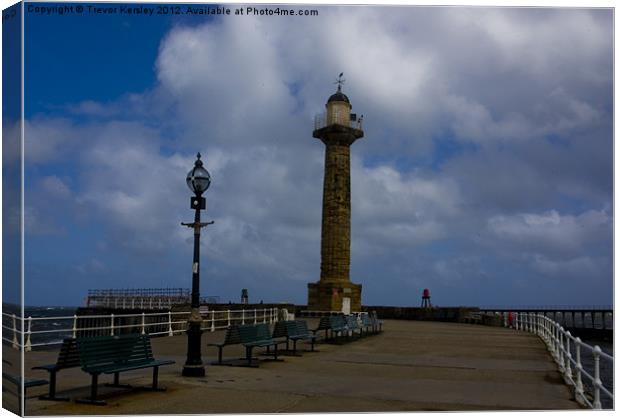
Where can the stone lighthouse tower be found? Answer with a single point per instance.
(337, 129)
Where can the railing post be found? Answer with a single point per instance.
(551, 334)
(212, 321)
(561, 352)
(568, 373)
(255, 316)
(578, 383)
(15, 340)
(28, 346)
(552, 337)
(74, 334)
(556, 340)
(264, 315)
(597, 378)
(517, 321)
(242, 316)
(111, 324)
(170, 332)
(539, 327)
(143, 330)
(228, 313)
(527, 321)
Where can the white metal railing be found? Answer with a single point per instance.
(160, 323)
(320, 121)
(562, 344)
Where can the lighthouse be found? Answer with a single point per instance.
(338, 129)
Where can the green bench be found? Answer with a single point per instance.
(295, 330)
(116, 354)
(305, 334)
(352, 326)
(367, 324)
(377, 324)
(253, 336)
(28, 383)
(68, 357)
(338, 325)
(232, 337)
(333, 325)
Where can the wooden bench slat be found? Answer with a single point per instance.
(115, 354)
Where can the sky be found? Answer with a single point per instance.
(484, 174)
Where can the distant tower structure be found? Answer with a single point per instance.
(426, 299)
(338, 128)
(244, 296)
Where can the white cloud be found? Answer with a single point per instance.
(49, 140)
(580, 268)
(244, 91)
(55, 187)
(552, 232)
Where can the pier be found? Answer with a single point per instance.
(412, 366)
(143, 298)
(586, 321)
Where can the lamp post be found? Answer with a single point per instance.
(198, 181)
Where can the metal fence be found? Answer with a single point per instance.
(562, 345)
(45, 331)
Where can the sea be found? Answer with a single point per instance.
(49, 340)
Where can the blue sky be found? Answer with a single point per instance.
(485, 173)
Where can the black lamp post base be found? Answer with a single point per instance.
(194, 367)
(194, 371)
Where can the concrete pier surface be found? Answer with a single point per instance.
(411, 366)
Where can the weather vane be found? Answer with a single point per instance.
(340, 81)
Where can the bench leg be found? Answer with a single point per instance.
(51, 396)
(219, 355)
(154, 386)
(248, 354)
(116, 382)
(93, 387)
(93, 393)
(19, 401)
(294, 347)
(275, 350)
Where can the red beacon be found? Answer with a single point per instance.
(426, 299)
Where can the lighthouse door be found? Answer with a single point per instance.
(346, 306)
